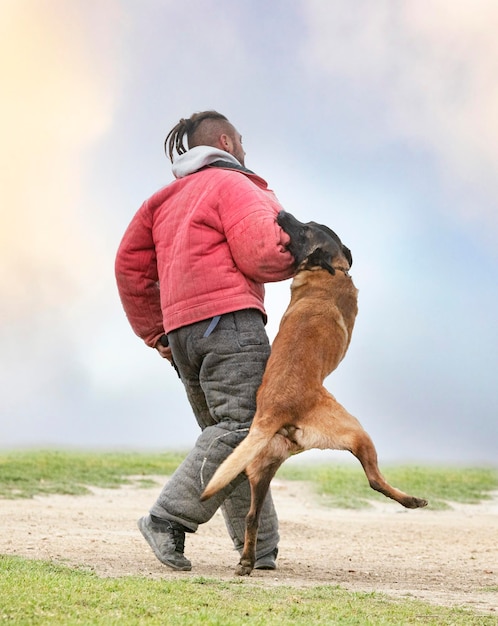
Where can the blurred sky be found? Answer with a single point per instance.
(378, 118)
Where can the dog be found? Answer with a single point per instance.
(294, 410)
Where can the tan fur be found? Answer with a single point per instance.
(294, 410)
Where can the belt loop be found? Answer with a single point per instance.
(212, 325)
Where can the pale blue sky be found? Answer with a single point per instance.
(376, 118)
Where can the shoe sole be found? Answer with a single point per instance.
(148, 538)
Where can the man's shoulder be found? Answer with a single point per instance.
(207, 178)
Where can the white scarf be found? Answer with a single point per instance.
(198, 157)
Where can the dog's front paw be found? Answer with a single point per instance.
(415, 503)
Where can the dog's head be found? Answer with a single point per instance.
(313, 244)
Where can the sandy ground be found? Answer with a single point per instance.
(446, 557)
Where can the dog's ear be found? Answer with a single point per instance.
(347, 253)
(345, 250)
(320, 258)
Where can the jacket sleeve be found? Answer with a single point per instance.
(257, 243)
(137, 279)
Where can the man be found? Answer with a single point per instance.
(190, 271)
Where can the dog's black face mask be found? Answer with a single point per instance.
(315, 242)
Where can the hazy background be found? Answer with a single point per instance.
(378, 118)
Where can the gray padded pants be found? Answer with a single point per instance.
(221, 374)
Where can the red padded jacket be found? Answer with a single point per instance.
(202, 246)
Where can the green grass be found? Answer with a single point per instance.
(346, 486)
(34, 592)
(27, 473)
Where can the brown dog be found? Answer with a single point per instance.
(294, 410)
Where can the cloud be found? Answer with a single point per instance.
(90, 88)
(58, 100)
(429, 71)
(59, 80)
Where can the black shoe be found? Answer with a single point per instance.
(268, 561)
(167, 540)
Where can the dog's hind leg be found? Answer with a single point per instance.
(364, 450)
(337, 429)
(260, 474)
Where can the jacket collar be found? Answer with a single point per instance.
(230, 165)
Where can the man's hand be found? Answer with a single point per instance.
(162, 346)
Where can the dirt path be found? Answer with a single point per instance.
(448, 557)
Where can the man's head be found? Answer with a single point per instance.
(208, 128)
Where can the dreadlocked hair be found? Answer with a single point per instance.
(175, 138)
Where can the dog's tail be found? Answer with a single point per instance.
(236, 462)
